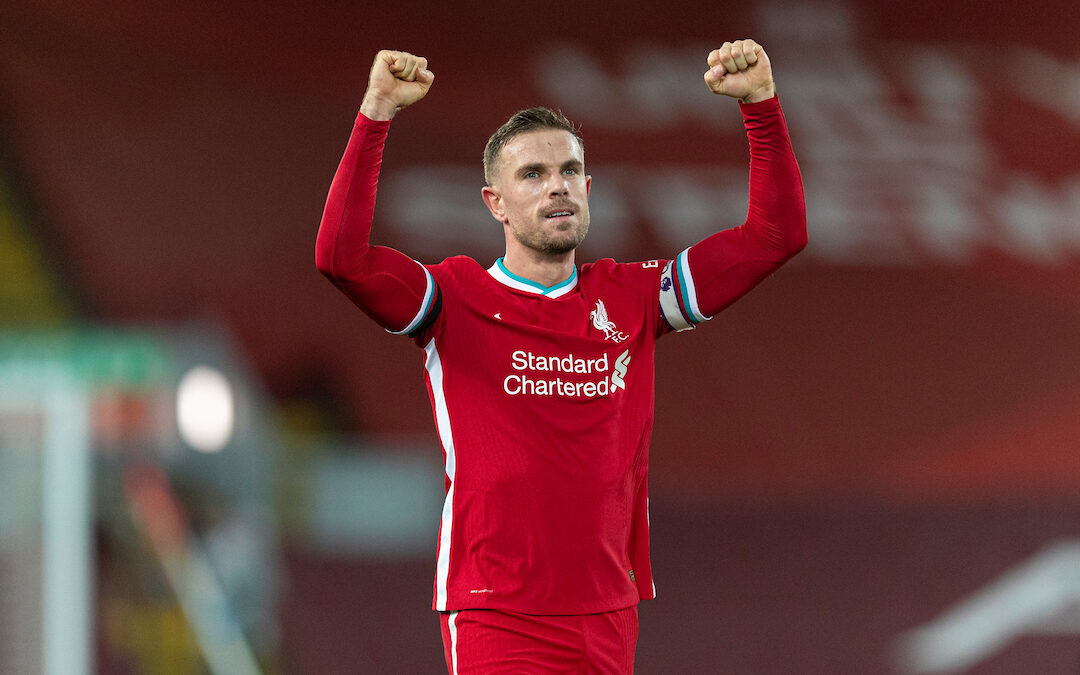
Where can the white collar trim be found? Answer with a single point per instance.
(504, 276)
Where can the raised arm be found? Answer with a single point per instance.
(392, 288)
(715, 272)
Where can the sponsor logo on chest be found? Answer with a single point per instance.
(566, 375)
(570, 375)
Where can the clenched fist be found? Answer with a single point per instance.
(740, 69)
(397, 80)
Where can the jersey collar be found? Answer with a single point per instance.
(508, 278)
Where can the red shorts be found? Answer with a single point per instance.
(483, 641)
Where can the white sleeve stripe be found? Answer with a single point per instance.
(425, 306)
(687, 280)
(669, 303)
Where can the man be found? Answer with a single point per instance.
(540, 372)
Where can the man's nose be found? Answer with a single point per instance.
(558, 185)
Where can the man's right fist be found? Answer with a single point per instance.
(397, 80)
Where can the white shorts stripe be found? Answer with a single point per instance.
(425, 306)
(451, 622)
(433, 365)
(648, 523)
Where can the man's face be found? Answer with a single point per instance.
(541, 192)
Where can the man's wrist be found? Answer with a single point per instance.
(759, 95)
(378, 109)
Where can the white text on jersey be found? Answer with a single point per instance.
(528, 363)
(564, 364)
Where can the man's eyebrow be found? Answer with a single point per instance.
(539, 167)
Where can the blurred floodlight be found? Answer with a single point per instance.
(204, 409)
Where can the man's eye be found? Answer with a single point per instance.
(531, 174)
(570, 172)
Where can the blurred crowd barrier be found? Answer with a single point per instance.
(131, 528)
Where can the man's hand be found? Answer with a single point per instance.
(741, 70)
(397, 80)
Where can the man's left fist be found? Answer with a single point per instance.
(741, 70)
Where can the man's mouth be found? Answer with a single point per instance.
(561, 213)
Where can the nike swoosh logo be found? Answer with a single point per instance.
(498, 315)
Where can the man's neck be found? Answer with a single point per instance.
(546, 269)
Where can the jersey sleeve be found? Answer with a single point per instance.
(710, 275)
(396, 291)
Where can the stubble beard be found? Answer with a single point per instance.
(557, 243)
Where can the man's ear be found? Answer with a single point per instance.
(493, 201)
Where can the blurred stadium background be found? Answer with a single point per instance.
(211, 463)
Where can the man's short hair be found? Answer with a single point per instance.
(531, 119)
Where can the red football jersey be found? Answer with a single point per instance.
(543, 396)
(543, 401)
